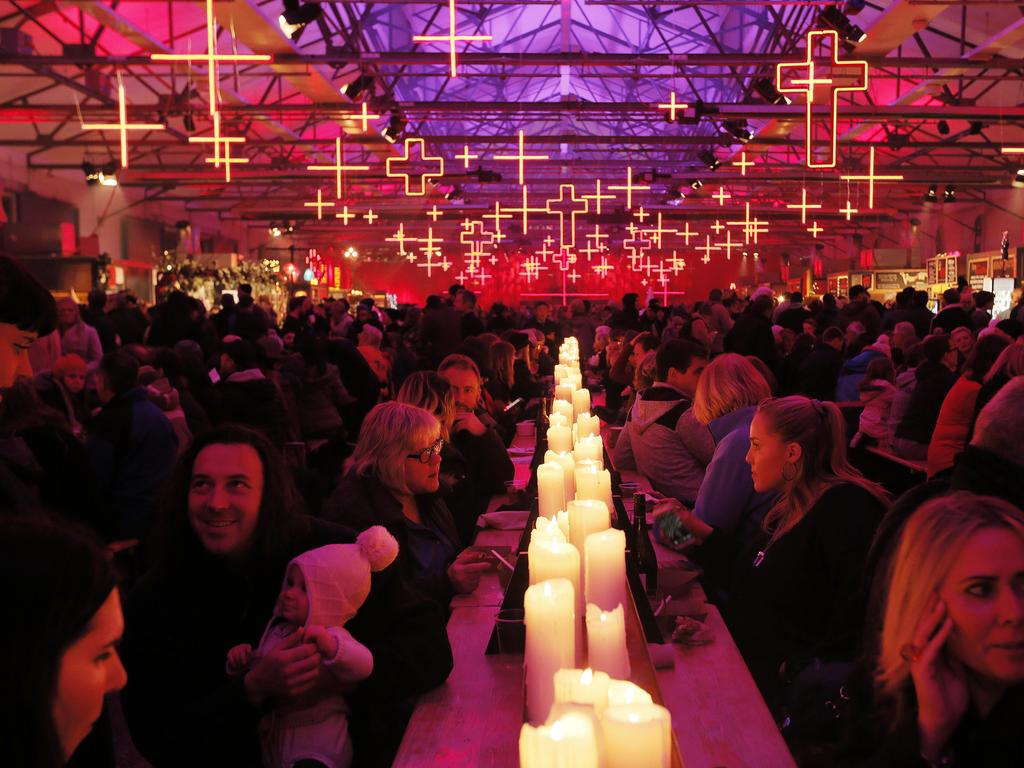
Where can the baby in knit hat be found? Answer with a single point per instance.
(323, 588)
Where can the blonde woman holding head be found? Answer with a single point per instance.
(949, 682)
(393, 481)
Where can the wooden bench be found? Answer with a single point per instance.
(914, 466)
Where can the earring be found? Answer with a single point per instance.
(790, 477)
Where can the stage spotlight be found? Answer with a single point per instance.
(943, 127)
(358, 87)
(674, 197)
(1018, 179)
(975, 127)
(395, 128)
(738, 129)
(707, 157)
(853, 7)
(455, 197)
(931, 196)
(696, 184)
(949, 196)
(92, 174)
(487, 177)
(833, 18)
(767, 90)
(108, 174)
(296, 16)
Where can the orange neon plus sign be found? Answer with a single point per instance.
(672, 107)
(319, 204)
(526, 210)
(566, 205)
(722, 196)
(217, 140)
(345, 216)
(211, 57)
(659, 232)
(815, 230)
(435, 213)
(747, 223)
(497, 216)
(743, 163)
(406, 160)
(451, 38)
(465, 157)
(728, 245)
(804, 206)
(603, 268)
(707, 248)
(687, 233)
(804, 78)
(339, 167)
(363, 116)
(399, 237)
(718, 226)
(228, 161)
(522, 157)
(870, 178)
(630, 188)
(849, 210)
(642, 215)
(122, 124)
(370, 216)
(597, 197)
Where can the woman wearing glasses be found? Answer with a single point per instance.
(393, 481)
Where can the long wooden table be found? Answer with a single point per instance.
(474, 719)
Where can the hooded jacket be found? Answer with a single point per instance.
(663, 441)
(934, 380)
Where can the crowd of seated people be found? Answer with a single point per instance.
(211, 453)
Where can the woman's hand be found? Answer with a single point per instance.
(690, 521)
(940, 684)
(464, 573)
(467, 421)
(289, 670)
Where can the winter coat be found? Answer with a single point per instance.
(485, 466)
(183, 709)
(874, 418)
(82, 340)
(662, 440)
(819, 372)
(249, 398)
(319, 396)
(752, 335)
(132, 448)
(951, 317)
(165, 397)
(934, 380)
(851, 374)
(953, 424)
(359, 502)
(862, 312)
(905, 383)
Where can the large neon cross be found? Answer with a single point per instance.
(629, 188)
(743, 163)
(406, 159)
(804, 206)
(871, 178)
(497, 216)
(339, 166)
(522, 157)
(228, 161)
(526, 210)
(477, 238)
(451, 38)
(401, 238)
(217, 140)
(673, 106)
(319, 204)
(362, 116)
(728, 245)
(659, 232)
(211, 57)
(122, 125)
(686, 233)
(564, 259)
(597, 197)
(707, 248)
(804, 80)
(566, 201)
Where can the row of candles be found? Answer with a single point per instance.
(575, 606)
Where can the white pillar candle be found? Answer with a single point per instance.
(582, 686)
(573, 380)
(564, 390)
(550, 559)
(589, 448)
(571, 741)
(564, 408)
(637, 734)
(605, 569)
(622, 692)
(586, 516)
(548, 529)
(581, 401)
(592, 482)
(568, 467)
(550, 489)
(558, 420)
(606, 641)
(560, 439)
(550, 642)
(587, 425)
(563, 522)
(561, 371)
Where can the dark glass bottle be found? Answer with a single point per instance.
(646, 558)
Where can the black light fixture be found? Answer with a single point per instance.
(975, 127)
(832, 18)
(358, 87)
(949, 196)
(932, 195)
(455, 197)
(674, 197)
(188, 122)
(696, 184)
(898, 140)
(707, 157)
(853, 7)
(92, 173)
(485, 176)
(395, 128)
(767, 91)
(296, 16)
(738, 130)
(943, 128)
(103, 175)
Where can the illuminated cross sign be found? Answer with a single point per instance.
(497, 216)
(345, 215)
(435, 213)
(870, 178)
(743, 163)
(603, 268)
(804, 206)
(211, 57)
(339, 166)
(686, 233)
(228, 161)
(817, 82)
(406, 160)
(565, 207)
(401, 238)
(721, 196)
(629, 187)
(597, 197)
(564, 259)
(659, 232)
(521, 158)
(362, 116)
(673, 106)
(122, 125)
(728, 245)
(319, 204)
(526, 210)
(465, 157)
(707, 248)
(451, 38)
(217, 140)
(849, 210)
(477, 238)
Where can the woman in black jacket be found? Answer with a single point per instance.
(232, 523)
(394, 481)
(796, 592)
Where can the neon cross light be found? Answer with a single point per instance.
(363, 116)
(339, 166)
(597, 197)
(401, 238)
(228, 161)
(526, 209)
(211, 57)
(728, 245)
(721, 196)
(686, 233)
(435, 213)
(345, 215)
(566, 199)
(743, 163)
(804, 206)
(629, 188)
(871, 178)
(804, 80)
(122, 124)
(673, 106)
(522, 157)
(451, 38)
(707, 248)
(849, 210)
(217, 140)
(319, 204)
(659, 232)
(370, 216)
(815, 230)
(465, 157)
(406, 159)
(497, 216)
